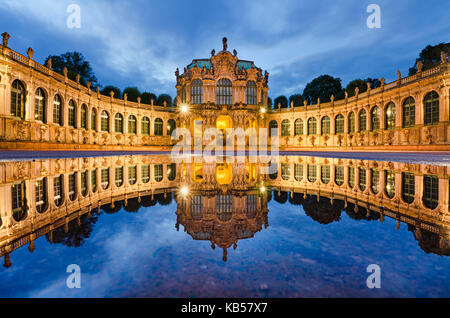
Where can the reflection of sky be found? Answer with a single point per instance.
(141, 254)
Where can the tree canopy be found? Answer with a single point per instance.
(281, 100)
(162, 98)
(132, 93)
(430, 56)
(362, 85)
(146, 98)
(76, 64)
(107, 90)
(297, 99)
(323, 87)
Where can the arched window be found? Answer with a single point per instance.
(58, 193)
(94, 119)
(41, 195)
(19, 201)
(72, 120)
(40, 106)
(408, 187)
(312, 126)
(285, 171)
(105, 178)
(298, 127)
(118, 123)
(72, 186)
(273, 128)
(273, 168)
(83, 117)
(325, 125)
(183, 94)
(224, 92)
(430, 191)
(362, 178)
(431, 108)
(158, 172)
(104, 121)
(132, 175)
(158, 127)
(224, 207)
(351, 177)
(298, 172)
(285, 128)
(145, 173)
(18, 99)
(339, 124)
(375, 118)
(251, 93)
(132, 125)
(94, 181)
(389, 116)
(351, 123)
(339, 175)
(57, 110)
(145, 126)
(171, 126)
(312, 173)
(325, 174)
(118, 176)
(408, 113)
(375, 180)
(197, 92)
(84, 183)
(362, 121)
(171, 171)
(389, 180)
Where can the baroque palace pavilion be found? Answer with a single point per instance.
(41, 109)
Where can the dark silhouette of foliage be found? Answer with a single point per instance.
(164, 98)
(76, 64)
(297, 99)
(430, 56)
(132, 93)
(108, 89)
(146, 98)
(282, 100)
(323, 87)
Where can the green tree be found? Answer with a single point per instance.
(280, 100)
(106, 91)
(146, 98)
(362, 85)
(269, 102)
(323, 87)
(162, 98)
(132, 93)
(297, 99)
(430, 56)
(76, 64)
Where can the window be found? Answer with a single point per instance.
(132, 175)
(224, 92)
(84, 185)
(312, 173)
(94, 180)
(158, 173)
(339, 124)
(430, 191)
(171, 126)
(132, 125)
(145, 126)
(312, 126)
(196, 206)
(273, 128)
(105, 178)
(72, 186)
(183, 94)
(72, 114)
(408, 187)
(285, 171)
(390, 116)
(351, 177)
(351, 123)
(158, 127)
(362, 178)
(325, 125)
(118, 123)
(57, 110)
(251, 93)
(375, 180)
(251, 205)
(18, 99)
(375, 118)
(298, 172)
(104, 121)
(224, 205)
(285, 128)
(339, 175)
(58, 190)
(94, 119)
(408, 113)
(431, 108)
(389, 177)
(40, 106)
(41, 195)
(84, 117)
(197, 92)
(145, 173)
(325, 174)
(118, 176)
(298, 127)
(273, 169)
(171, 171)
(362, 121)
(18, 202)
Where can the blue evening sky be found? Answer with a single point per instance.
(141, 43)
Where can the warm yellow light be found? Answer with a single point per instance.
(263, 110)
(184, 108)
(263, 189)
(184, 191)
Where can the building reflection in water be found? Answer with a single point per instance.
(217, 202)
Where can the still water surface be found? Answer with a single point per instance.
(308, 230)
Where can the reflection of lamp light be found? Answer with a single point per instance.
(263, 110)
(263, 189)
(184, 191)
(388, 112)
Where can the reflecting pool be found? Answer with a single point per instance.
(140, 225)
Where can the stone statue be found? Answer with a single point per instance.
(213, 52)
(30, 53)
(225, 44)
(443, 57)
(177, 72)
(6, 37)
(399, 74)
(234, 52)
